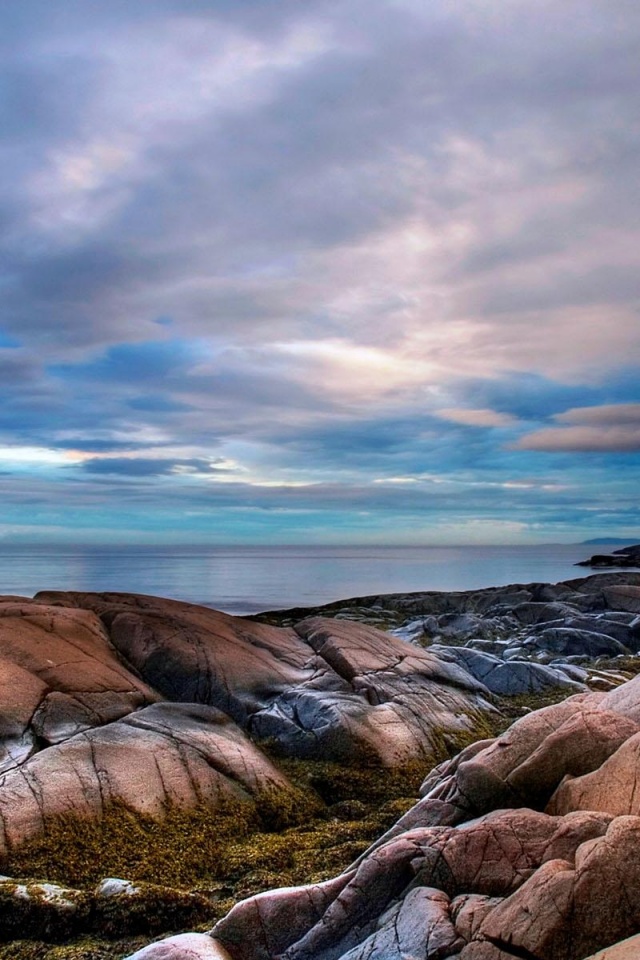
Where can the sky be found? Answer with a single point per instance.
(335, 271)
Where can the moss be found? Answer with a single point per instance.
(175, 851)
(86, 948)
(288, 838)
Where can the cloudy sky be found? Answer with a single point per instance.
(326, 271)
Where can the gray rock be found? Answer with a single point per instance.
(567, 642)
(512, 677)
(115, 887)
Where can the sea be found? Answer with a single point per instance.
(252, 579)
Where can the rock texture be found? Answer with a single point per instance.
(523, 846)
(517, 846)
(112, 699)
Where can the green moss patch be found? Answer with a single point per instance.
(203, 861)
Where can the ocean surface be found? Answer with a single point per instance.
(244, 580)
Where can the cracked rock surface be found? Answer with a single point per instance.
(523, 846)
(115, 699)
(484, 866)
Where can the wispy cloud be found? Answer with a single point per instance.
(610, 428)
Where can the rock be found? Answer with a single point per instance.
(115, 887)
(265, 925)
(567, 911)
(625, 700)
(623, 597)
(567, 641)
(165, 756)
(185, 946)
(419, 926)
(520, 846)
(535, 612)
(469, 910)
(59, 674)
(513, 769)
(611, 788)
(513, 676)
(122, 909)
(624, 950)
(625, 557)
(478, 868)
(326, 689)
(45, 910)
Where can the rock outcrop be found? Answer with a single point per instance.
(522, 846)
(111, 699)
(623, 558)
(519, 846)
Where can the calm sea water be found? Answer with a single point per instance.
(251, 579)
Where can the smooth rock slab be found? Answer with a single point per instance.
(328, 689)
(165, 756)
(185, 946)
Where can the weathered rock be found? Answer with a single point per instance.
(512, 677)
(625, 700)
(468, 912)
(59, 674)
(507, 772)
(568, 641)
(624, 950)
(165, 756)
(612, 788)
(567, 911)
(625, 597)
(327, 689)
(185, 946)
(537, 612)
(520, 846)
(419, 926)
(265, 925)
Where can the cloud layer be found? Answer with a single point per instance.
(320, 271)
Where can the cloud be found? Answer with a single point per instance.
(612, 414)
(148, 466)
(476, 418)
(610, 428)
(329, 242)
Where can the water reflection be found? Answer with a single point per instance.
(247, 579)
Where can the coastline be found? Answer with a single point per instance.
(184, 760)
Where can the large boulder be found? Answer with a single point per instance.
(568, 909)
(59, 675)
(325, 689)
(167, 756)
(156, 705)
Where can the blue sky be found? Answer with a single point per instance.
(319, 272)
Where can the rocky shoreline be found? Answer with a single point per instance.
(161, 761)
(626, 557)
